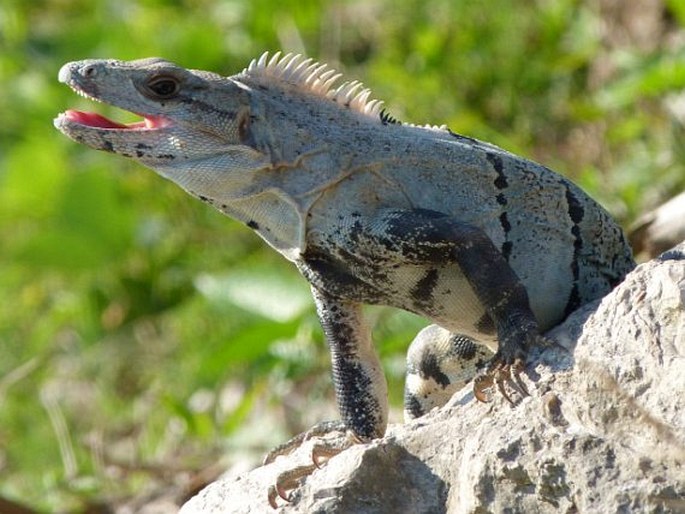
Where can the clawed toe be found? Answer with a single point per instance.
(481, 384)
(319, 430)
(321, 452)
(501, 375)
(326, 449)
(518, 384)
(287, 481)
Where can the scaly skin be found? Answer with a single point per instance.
(491, 247)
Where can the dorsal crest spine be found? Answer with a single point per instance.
(317, 78)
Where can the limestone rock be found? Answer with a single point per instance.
(603, 429)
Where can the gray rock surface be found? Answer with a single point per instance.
(603, 430)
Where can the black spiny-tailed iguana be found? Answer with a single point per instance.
(489, 246)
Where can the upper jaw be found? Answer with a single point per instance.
(81, 77)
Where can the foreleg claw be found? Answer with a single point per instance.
(287, 481)
(501, 375)
(335, 440)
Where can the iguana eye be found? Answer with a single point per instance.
(163, 86)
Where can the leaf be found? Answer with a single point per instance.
(653, 77)
(262, 291)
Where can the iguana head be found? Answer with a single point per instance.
(190, 118)
(241, 143)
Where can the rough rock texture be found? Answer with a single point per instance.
(603, 429)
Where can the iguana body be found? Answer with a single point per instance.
(483, 243)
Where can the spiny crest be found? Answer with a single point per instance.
(315, 77)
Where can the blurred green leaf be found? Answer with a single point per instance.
(654, 76)
(263, 291)
(677, 8)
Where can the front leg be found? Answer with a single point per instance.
(360, 390)
(360, 387)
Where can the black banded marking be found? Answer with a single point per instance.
(506, 249)
(506, 226)
(485, 325)
(422, 292)
(353, 387)
(412, 405)
(501, 183)
(336, 279)
(576, 212)
(504, 221)
(496, 161)
(463, 347)
(429, 367)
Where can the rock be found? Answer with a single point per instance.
(603, 429)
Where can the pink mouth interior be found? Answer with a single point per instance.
(91, 119)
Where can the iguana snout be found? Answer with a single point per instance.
(92, 79)
(181, 118)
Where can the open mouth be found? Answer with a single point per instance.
(94, 120)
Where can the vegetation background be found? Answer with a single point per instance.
(144, 335)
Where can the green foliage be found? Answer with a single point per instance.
(139, 328)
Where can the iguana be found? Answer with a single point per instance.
(490, 247)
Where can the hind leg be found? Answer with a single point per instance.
(439, 363)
